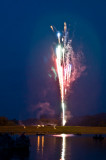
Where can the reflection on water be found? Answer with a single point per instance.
(63, 147)
(60, 147)
(40, 143)
(66, 147)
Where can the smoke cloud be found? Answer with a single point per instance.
(42, 109)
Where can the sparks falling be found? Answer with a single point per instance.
(67, 66)
(63, 68)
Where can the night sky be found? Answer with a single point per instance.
(26, 42)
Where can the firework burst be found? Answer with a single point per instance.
(67, 66)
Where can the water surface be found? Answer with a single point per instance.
(67, 147)
(61, 147)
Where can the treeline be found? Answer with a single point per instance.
(5, 122)
(94, 120)
(41, 121)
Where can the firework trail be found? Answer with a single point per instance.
(67, 66)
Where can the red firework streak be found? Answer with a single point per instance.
(63, 68)
(67, 66)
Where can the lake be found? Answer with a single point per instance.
(62, 147)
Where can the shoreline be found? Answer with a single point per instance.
(34, 130)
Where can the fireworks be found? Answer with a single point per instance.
(67, 66)
(63, 67)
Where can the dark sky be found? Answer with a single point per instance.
(25, 56)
